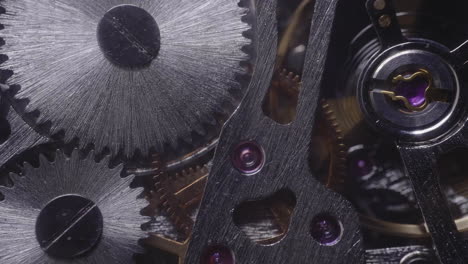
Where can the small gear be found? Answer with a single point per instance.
(346, 113)
(176, 194)
(71, 210)
(179, 194)
(282, 97)
(125, 76)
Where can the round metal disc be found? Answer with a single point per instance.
(33, 192)
(163, 82)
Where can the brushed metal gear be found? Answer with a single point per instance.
(76, 86)
(20, 135)
(36, 187)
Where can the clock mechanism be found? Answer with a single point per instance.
(233, 131)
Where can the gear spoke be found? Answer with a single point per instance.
(418, 163)
(384, 20)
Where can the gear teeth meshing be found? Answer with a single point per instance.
(71, 174)
(164, 195)
(169, 196)
(196, 94)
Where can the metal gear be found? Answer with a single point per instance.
(178, 196)
(337, 147)
(71, 210)
(282, 97)
(175, 71)
(346, 115)
(16, 135)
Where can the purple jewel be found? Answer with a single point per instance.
(414, 90)
(326, 230)
(217, 255)
(248, 157)
(360, 164)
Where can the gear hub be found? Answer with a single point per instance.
(411, 91)
(129, 36)
(69, 226)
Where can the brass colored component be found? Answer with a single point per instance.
(282, 97)
(284, 44)
(400, 78)
(340, 117)
(385, 21)
(174, 247)
(406, 230)
(347, 112)
(337, 148)
(431, 93)
(178, 193)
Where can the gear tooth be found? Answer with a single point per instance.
(47, 178)
(4, 88)
(43, 159)
(75, 154)
(14, 177)
(60, 155)
(169, 203)
(27, 167)
(126, 142)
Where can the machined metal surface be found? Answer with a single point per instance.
(74, 175)
(400, 255)
(286, 150)
(59, 61)
(20, 135)
(349, 145)
(418, 158)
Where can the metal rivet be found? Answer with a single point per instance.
(248, 157)
(326, 229)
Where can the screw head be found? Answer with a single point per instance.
(217, 254)
(248, 157)
(129, 36)
(326, 229)
(69, 226)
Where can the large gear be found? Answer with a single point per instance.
(125, 75)
(71, 210)
(16, 135)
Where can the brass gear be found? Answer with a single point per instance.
(179, 195)
(282, 97)
(175, 194)
(337, 147)
(343, 115)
